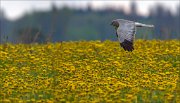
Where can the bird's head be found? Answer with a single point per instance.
(115, 23)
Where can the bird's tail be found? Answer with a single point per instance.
(143, 25)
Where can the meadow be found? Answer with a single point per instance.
(90, 71)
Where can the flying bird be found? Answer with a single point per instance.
(125, 32)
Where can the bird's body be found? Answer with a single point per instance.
(125, 31)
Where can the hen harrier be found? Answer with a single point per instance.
(125, 31)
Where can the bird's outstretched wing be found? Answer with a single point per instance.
(126, 32)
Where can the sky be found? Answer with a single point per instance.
(16, 8)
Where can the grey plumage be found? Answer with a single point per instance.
(125, 31)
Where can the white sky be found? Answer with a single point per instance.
(16, 8)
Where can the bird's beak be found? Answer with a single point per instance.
(111, 23)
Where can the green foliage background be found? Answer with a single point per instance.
(64, 24)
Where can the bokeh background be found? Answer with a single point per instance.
(55, 21)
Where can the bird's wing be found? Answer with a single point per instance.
(126, 32)
(143, 25)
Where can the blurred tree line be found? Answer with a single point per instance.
(66, 24)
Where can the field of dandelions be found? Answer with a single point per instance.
(90, 71)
